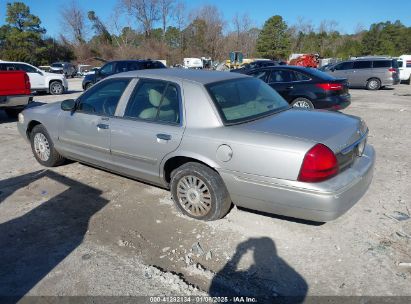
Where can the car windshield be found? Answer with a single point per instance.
(57, 65)
(242, 100)
(320, 74)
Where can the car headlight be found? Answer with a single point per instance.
(21, 118)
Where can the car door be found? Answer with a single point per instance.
(84, 134)
(151, 128)
(282, 80)
(342, 70)
(361, 72)
(36, 77)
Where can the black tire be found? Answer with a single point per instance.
(56, 88)
(88, 86)
(12, 113)
(54, 159)
(373, 84)
(297, 103)
(219, 202)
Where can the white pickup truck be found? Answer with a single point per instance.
(41, 81)
(404, 65)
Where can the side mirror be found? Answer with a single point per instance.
(68, 105)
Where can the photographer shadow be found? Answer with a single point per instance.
(270, 279)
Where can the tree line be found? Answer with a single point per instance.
(165, 29)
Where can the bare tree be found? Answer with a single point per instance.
(165, 10)
(73, 21)
(147, 12)
(244, 41)
(213, 31)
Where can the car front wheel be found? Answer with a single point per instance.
(199, 192)
(43, 148)
(56, 88)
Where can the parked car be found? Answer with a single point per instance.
(66, 68)
(306, 87)
(119, 66)
(15, 91)
(212, 138)
(257, 64)
(40, 81)
(372, 74)
(404, 65)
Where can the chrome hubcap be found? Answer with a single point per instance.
(41, 146)
(373, 84)
(194, 195)
(302, 104)
(56, 88)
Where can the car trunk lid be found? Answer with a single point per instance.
(335, 130)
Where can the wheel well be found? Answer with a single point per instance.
(53, 80)
(30, 127)
(373, 78)
(176, 162)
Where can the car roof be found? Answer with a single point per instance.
(282, 67)
(199, 76)
(131, 60)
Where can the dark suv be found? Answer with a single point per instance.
(119, 66)
(369, 73)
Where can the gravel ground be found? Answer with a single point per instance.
(77, 230)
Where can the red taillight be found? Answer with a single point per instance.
(319, 164)
(27, 84)
(330, 86)
(392, 70)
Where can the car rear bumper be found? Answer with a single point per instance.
(17, 101)
(333, 102)
(320, 202)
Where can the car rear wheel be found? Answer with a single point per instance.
(373, 84)
(43, 148)
(56, 88)
(302, 102)
(199, 192)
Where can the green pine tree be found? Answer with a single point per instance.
(274, 40)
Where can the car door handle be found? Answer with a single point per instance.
(163, 137)
(102, 126)
(289, 88)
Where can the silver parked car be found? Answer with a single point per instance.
(213, 139)
(371, 73)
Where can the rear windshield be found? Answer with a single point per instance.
(242, 100)
(319, 74)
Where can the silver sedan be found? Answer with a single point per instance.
(213, 139)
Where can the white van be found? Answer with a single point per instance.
(193, 63)
(404, 65)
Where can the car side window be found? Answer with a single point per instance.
(362, 65)
(102, 99)
(382, 64)
(263, 75)
(343, 66)
(281, 76)
(300, 76)
(25, 67)
(7, 67)
(107, 69)
(121, 66)
(154, 101)
(132, 66)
